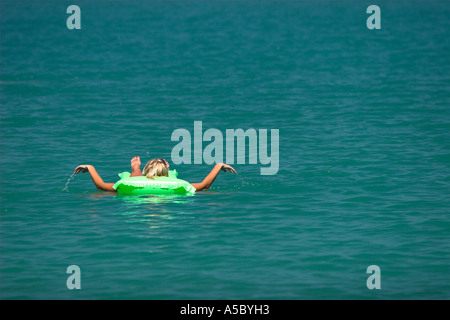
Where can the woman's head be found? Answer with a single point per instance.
(156, 168)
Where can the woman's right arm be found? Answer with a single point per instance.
(208, 181)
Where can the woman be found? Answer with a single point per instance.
(154, 168)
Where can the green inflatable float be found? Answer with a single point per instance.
(160, 185)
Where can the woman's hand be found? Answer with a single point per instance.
(226, 167)
(135, 163)
(83, 168)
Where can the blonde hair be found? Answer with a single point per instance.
(156, 168)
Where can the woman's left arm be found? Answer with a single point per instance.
(98, 181)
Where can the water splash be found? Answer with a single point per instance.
(66, 187)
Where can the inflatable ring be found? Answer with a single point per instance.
(142, 185)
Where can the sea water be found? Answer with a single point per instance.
(364, 135)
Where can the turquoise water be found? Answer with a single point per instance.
(364, 124)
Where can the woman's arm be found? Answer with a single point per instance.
(98, 181)
(208, 181)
